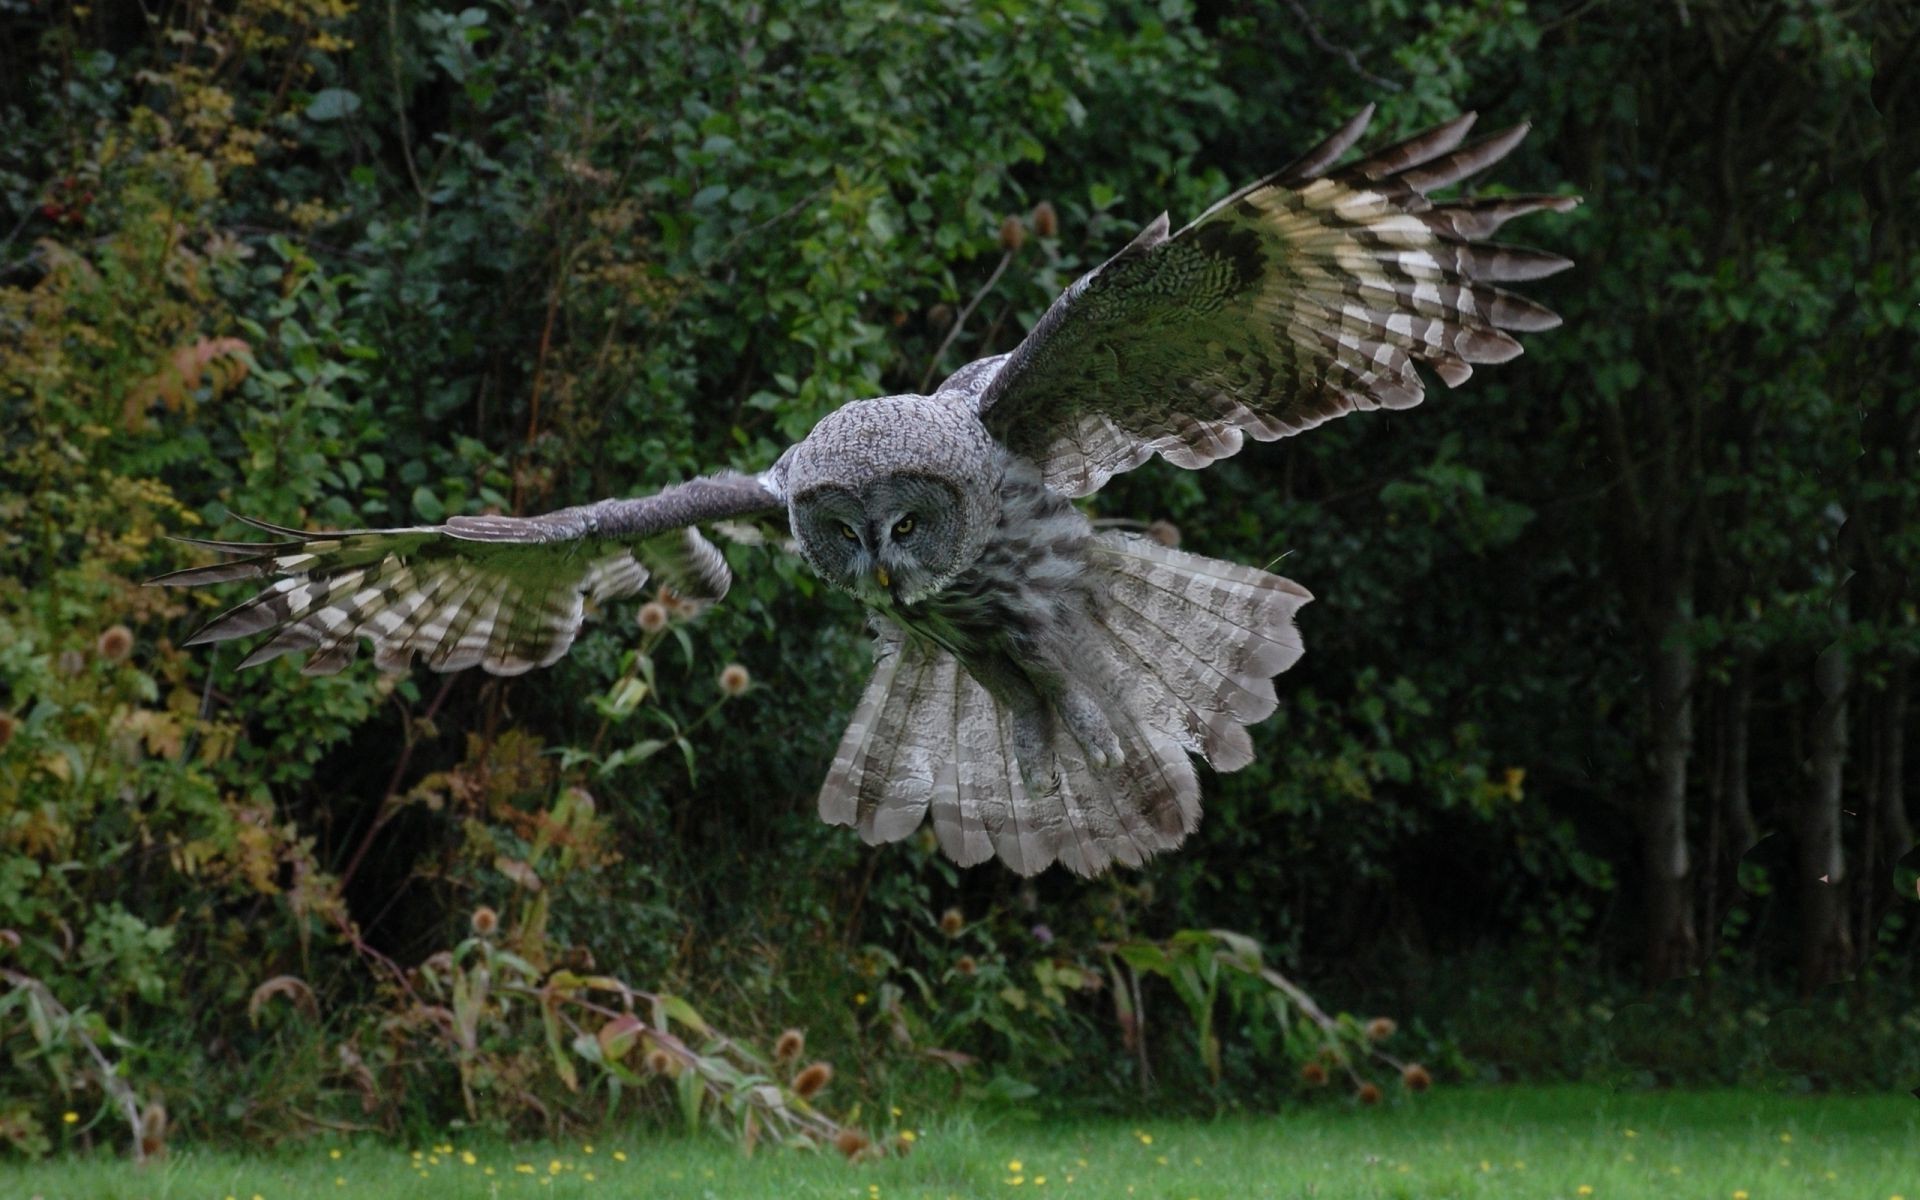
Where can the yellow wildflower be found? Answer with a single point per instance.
(1014, 1166)
(70, 1117)
(908, 1135)
(619, 1156)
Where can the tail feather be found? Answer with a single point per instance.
(1187, 650)
(1200, 640)
(985, 776)
(926, 737)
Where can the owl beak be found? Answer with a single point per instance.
(881, 577)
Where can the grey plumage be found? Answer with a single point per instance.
(1041, 690)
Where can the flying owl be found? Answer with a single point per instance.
(1041, 687)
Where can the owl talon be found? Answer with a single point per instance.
(1089, 726)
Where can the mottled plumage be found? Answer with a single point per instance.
(1041, 689)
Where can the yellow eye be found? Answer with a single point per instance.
(846, 531)
(904, 528)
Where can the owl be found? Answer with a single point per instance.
(1042, 688)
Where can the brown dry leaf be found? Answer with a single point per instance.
(293, 988)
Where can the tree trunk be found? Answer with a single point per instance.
(1826, 944)
(1736, 819)
(1730, 828)
(1671, 944)
(1890, 805)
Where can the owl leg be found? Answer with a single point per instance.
(1033, 749)
(1088, 724)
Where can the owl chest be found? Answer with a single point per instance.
(1025, 594)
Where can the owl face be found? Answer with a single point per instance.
(892, 499)
(897, 540)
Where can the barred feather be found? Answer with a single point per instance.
(1197, 640)
(928, 738)
(505, 593)
(1292, 301)
(453, 602)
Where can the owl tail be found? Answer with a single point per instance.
(1188, 649)
(1192, 644)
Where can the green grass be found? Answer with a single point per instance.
(1538, 1142)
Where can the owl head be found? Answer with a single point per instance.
(892, 499)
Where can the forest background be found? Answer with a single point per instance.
(1596, 766)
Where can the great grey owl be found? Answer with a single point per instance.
(1041, 686)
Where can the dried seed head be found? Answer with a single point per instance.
(812, 1081)
(1313, 1075)
(789, 1046)
(115, 643)
(1013, 234)
(485, 921)
(1368, 1093)
(966, 965)
(903, 1144)
(940, 316)
(674, 602)
(653, 617)
(1380, 1029)
(1046, 222)
(734, 679)
(851, 1142)
(153, 1129)
(8, 723)
(661, 1063)
(1416, 1078)
(952, 922)
(1165, 532)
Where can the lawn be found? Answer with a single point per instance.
(1481, 1142)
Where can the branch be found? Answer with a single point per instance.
(1343, 53)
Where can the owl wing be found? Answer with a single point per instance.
(504, 593)
(1295, 300)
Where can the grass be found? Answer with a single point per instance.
(1537, 1142)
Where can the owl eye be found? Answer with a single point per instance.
(903, 527)
(846, 531)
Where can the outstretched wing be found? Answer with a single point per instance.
(504, 593)
(1295, 300)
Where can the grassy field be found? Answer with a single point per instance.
(1533, 1142)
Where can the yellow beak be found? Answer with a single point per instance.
(880, 575)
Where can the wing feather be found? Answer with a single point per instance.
(1304, 296)
(508, 594)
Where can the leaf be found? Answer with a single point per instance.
(693, 1092)
(331, 104)
(428, 505)
(679, 1010)
(619, 1036)
(556, 1043)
